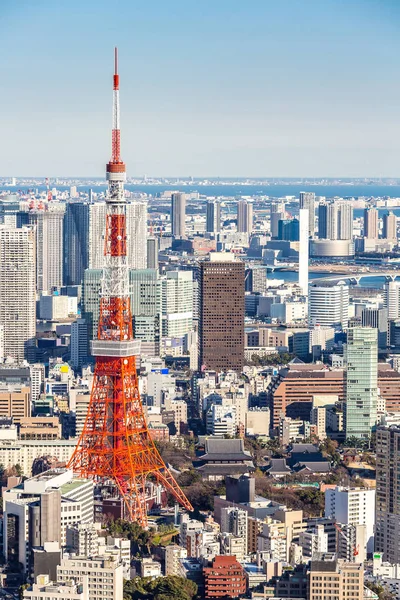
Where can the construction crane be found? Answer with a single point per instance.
(348, 540)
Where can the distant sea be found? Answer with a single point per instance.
(273, 191)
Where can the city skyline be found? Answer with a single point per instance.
(272, 91)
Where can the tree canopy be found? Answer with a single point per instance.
(161, 588)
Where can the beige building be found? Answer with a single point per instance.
(15, 401)
(334, 579)
(44, 589)
(104, 576)
(40, 428)
(173, 553)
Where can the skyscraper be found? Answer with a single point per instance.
(387, 516)
(213, 218)
(328, 305)
(84, 238)
(221, 327)
(277, 214)
(152, 252)
(17, 291)
(361, 381)
(304, 249)
(389, 231)
(244, 216)
(178, 214)
(307, 200)
(371, 228)
(49, 223)
(392, 299)
(335, 221)
(177, 300)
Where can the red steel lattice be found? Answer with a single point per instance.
(115, 445)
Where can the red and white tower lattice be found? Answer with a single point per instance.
(115, 446)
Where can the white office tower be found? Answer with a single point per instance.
(392, 299)
(173, 554)
(17, 291)
(49, 223)
(303, 249)
(213, 217)
(244, 216)
(177, 302)
(178, 214)
(328, 306)
(361, 381)
(136, 230)
(307, 200)
(335, 220)
(37, 373)
(352, 506)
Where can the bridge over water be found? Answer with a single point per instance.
(355, 278)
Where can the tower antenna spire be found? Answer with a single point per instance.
(115, 447)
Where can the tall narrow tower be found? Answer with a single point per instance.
(115, 447)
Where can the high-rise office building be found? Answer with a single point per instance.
(361, 381)
(152, 252)
(328, 305)
(392, 299)
(17, 291)
(178, 214)
(244, 216)
(307, 200)
(288, 229)
(48, 224)
(221, 326)
(304, 224)
(335, 221)
(371, 223)
(387, 516)
(177, 303)
(146, 306)
(352, 506)
(389, 231)
(84, 238)
(79, 343)
(378, 318)
(277, 214)
(213, 217)
(136, 230)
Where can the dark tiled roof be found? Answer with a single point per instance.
(309, 448)
(221, 450)
(312, 467)
(278, 465)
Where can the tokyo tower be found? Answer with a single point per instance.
(115, 447)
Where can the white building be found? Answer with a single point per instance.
(44, 589)
(221, 420)
(234, 520)
(177, 303)
(312, 542)
(328, 305)
(392, 299)
(18, 291)
(104, 576)
(304, 234)
(352, 506)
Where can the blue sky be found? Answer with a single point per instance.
(208, 87)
